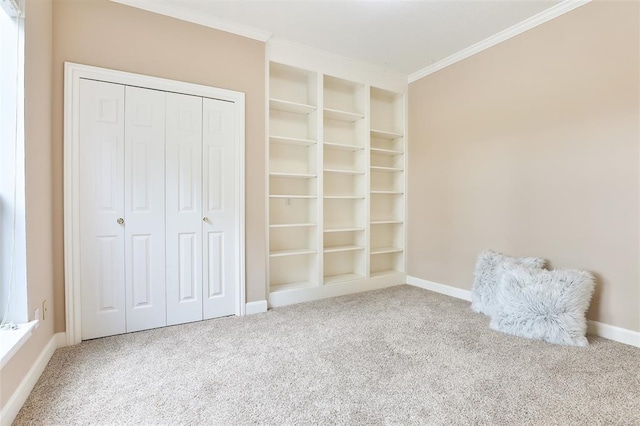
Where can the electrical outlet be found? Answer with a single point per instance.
(45, 313)
(36, 316)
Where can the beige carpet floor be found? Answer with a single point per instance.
(396, 356)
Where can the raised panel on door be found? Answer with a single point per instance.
(102, 258)
(145, 208)
(220, 245)
(183, 208)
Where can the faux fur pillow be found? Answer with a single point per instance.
(544, 305)
(489, 269)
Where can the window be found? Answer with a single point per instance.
(13, 287)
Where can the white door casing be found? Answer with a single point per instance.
(101, 197)
(184, 208)
(218, 205)
(144, 208)
(77, 76)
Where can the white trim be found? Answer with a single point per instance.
(258, 307)
(20, 395)
(458, 293)
(73, 74)
(12, 340)
(611, 332)
(519, 28)
(622, 335)
(290, 297)
(185, 14)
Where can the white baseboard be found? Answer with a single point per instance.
(256, 307)
(622, 335)
(612, 332)
(20, 395)
(458, 293)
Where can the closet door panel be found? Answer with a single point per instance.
(183, 208)
(219, 194)
(145, 208)
(102, 258)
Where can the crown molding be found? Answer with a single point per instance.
(527, 24)
(184, 14)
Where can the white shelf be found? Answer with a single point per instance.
(273, 288)
(293, 175)
(293, 225)
(343, 147)
(346, 229)
(382, 151)
(346, 116)
(295, 252)
(388, 192)
(383, 134)
(344, 172)
(283, 140)
(291, 196)
(386, 169)
(382, 250)
(342, 248)
(288, 106)
(342, 277)
(343, 197)
(387, 222)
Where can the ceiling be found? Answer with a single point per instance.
(401, 36)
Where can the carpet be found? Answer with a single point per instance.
(401, 355)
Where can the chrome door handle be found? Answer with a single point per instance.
(120, 221)
(205, 219)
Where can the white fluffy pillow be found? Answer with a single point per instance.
(489, 270)
(544, 305)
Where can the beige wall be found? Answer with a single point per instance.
(532, 148)
(110, 35)
(38, 189)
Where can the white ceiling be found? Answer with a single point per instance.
(401, 36)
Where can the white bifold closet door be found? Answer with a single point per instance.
(158, 223)
(144, 231)
(201, 244)
(184, 208)
(122, 209)
(102, 205)
(219, 198)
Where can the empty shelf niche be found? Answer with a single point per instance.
(284, 187)
(387, 263)
(336, 161)
(339, 185)
(387, 238)
(293, 272)
(292, 241)
(387, 114)
(343, 100)
(387, 207)
(344, 213)
(292, 211)
(291, 86)
(292, 159)
(343, 239)
(383, 181)
(343, 266)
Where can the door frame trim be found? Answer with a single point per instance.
(73, 72)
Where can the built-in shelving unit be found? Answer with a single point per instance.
(336, 184)
(293, 178)
(387, 164)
